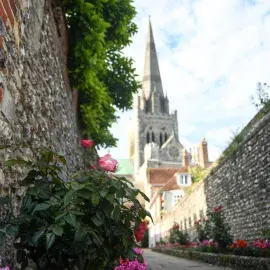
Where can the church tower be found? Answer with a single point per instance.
(154, 134)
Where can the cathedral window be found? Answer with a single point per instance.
(148, 137)
(153, 137)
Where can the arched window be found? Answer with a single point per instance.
(153, 137)
(160, 139)
(148, 137)
(166, 137)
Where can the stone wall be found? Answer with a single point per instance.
(37, 105)
(240, 183)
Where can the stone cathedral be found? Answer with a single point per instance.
(153, 135)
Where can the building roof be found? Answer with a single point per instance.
(171, 184)
(160, 175)
(125, 167)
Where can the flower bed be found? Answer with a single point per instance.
(227, 260)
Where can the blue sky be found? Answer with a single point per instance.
(211, 55)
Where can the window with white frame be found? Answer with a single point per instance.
(184, 179)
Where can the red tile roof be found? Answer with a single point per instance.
(160, 175)
(171, 184)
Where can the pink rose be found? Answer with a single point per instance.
(108, 163)
(87, 143)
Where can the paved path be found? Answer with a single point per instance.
(158, 260)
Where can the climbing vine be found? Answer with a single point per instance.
(105, 79)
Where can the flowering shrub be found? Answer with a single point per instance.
(208, 243)
(261, 244)
(177, 236)
(239, 244)
(203, 229)
(63, 223)
(137, 263)
(214, 227)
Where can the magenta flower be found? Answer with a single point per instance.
(5, 268)
(131, 265)
(87, 143)
(138, 251)
(108, 163)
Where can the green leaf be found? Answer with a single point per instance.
(84, 193)
(68, 197)
(95, 199)
(4, 200)
(104, 192)
(12, 230)
(71, 219)
(96, 221)
(110, 197)
(120, 193)
(41, 207)
(58, 231)
(96, 239)
(61, 215)
(144, 196)
(80, 235)
(77, 213)
(116, 213)
(37, 236)
(13, 162)
(62, 159)
(50, 238)
(116, 183)
(76, 186)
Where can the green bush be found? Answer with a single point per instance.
(81, 221)
(105, 79)
(177, 236)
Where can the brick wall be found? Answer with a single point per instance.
(240, 183)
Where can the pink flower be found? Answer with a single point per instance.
(108, 163)
(87, 143)
(5, 268)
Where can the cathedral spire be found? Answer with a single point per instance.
(151, 79)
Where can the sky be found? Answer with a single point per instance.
(211, 55)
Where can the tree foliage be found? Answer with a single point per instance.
(99, 30)
(83, 221)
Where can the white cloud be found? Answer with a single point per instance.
(210, 74)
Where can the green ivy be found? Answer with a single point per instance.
(105, 79)
(82, 221)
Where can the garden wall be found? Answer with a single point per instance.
(240, 183)
(37, 105)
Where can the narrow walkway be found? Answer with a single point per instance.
(157, 260)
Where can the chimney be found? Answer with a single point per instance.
(185, 162)
(203, 154)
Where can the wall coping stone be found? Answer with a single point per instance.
(227, 260)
